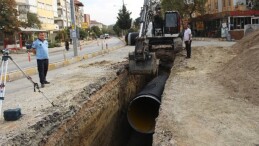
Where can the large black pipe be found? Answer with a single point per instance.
(144, 108)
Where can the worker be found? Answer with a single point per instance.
(67, 45)
(187, 40)
(158, 22)
(40, 48)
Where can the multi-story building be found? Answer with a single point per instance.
(25, 6)
(63, 19)
(46, 10)
(54, 14)
(226, 15)
(95, 23)
(87, 18)
(79, 13)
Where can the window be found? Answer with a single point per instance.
(239, 22)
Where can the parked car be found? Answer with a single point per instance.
(102, 36)
(106, 36)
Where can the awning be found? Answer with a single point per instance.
(29, 29)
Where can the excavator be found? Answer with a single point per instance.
(158, 40)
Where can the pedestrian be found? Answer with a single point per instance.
(187, 40)
(40, 48)
(67, 45)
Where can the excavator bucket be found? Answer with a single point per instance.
(149, 66)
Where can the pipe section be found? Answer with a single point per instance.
(144, 108)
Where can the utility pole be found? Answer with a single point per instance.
(73, 32)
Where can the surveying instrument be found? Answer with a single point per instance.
(3, 78)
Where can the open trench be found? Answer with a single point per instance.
(120, 112)
(102, 121)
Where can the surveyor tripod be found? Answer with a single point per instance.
(3, 77)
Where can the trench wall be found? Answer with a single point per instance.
(96, 123)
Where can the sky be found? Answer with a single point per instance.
(106, 11)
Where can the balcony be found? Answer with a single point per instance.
(59, 18)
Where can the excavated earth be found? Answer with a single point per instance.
(210, 99)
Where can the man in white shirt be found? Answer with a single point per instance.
(187, 38)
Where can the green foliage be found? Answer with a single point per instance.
(33, 20)
(51, 45)
(137, 23)
(256, 5)
(61, 36)
(96, 31)
(83, 33)
(123, 19)
(8, 16)
(185, 10)
(110, 30)
(117, 29)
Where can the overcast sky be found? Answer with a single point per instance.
(106, 11)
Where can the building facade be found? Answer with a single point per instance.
(47, 11)
(224, 16)
(53, 14)
(79, 13)
(95, 23)
(63, 18)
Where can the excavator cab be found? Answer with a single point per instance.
(172, 23)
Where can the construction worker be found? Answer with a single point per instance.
(40, 48)
(67, 45)
(187, 38)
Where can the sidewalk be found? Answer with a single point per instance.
(55, 49)
(14, 75)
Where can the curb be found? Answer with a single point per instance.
(33, 70)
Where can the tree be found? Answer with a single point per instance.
(8, 16)
(137, 23)
(123, 19)
(82, 33)
(185, 9)
(33, 20)
(117, 29)
(61, 36)
(96, 31)
(256, 5)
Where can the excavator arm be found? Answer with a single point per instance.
(152, 33)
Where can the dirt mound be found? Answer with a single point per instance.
(241, 74)
(252, 39)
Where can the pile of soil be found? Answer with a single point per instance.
(241, 74)
(247, 42)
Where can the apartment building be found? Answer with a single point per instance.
(63, 19)
(79, 13)
(87, 18)
(54, 14)
(46, 10)
(24, 6)
(95, 23)
(225, 15)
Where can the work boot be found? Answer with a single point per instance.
(46, 82)
(42, 85)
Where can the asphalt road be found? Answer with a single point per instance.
(59, 53)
